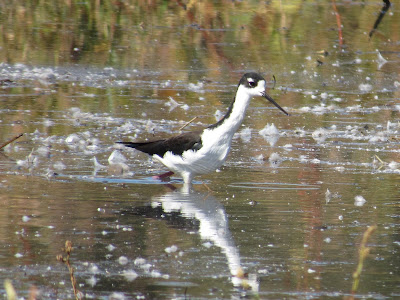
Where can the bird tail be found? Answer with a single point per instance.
(150, 148)
(132, 145)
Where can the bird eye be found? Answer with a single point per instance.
(252, 84)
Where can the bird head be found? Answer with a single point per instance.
(255, 85)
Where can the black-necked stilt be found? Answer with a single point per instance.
(200, 152)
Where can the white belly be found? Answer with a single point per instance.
(207, 159)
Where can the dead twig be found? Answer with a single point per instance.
(187, 123)
(10, 141)
(65, 260)
(380, 160)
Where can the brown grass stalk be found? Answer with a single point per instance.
(68, 249)
(10, 141)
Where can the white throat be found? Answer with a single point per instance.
(231, 123)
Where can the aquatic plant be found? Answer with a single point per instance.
(363, 253)
(68, 249)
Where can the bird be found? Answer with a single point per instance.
(202, 151)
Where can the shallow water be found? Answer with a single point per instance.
(289, 206)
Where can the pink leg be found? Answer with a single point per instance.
(162, 176)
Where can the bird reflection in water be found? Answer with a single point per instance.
(212, 222)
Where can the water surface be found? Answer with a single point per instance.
(288, 208)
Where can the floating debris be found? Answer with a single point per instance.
(172, 104)
(111, 247)
(365, 87)
(97, 165)
(25, 219)
(380, 59)
(91, 281)
(123, 260)
(328, 196)
(218, 115)
(359, 200)
(117, 296)
(59, 165)
(130, 275)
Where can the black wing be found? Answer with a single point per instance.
(177, 144)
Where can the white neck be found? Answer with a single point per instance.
(230, 123)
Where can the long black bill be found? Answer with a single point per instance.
(266, 96)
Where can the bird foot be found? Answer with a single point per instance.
(163, 176)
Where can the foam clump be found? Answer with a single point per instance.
(116, 157)
(365, 87)
(72, 139)
(393, 165)
(43, 151)
(198, 88)
(59, 165)
(77, 114)
(117, 164)
(171, 249)
(245, 134)
(380, 136)
(139, 261)
(126, 128)
(92, 281)
(269, 129)
(300, 132)
(320, 135)
(259, 158)
(275, 160)
(30, 162)
(270, 133)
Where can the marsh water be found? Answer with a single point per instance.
(289, 207)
